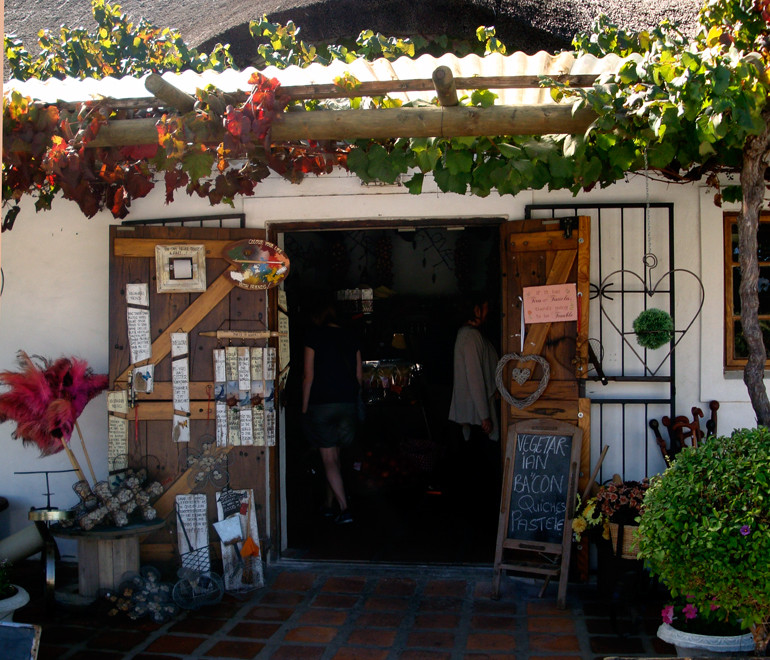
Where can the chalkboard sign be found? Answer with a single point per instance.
(539, 487)
(538, 500)
(19, 641)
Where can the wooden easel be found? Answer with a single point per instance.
(534, 534)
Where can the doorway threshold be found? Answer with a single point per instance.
(479, 571)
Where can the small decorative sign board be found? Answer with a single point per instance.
(193, 532)
(550, 304)
(180, 268)
(260, 265)
(138, 321)
(534, 535)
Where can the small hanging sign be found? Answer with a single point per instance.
(180, 268)
(178, 344)
(247, 430)
(117, 438)
(269, 363)
(261, 265)
(550, 304)
(219, 365)
(221, 422)
(138, 322)
(137, 294)
(257, 358)
(244, 371)
(117, 401)
(143, 379)
(283, 341)
(180, 379)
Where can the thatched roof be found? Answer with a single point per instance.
(526, 25)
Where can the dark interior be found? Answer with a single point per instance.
(417, 492)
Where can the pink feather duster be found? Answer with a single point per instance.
(46, 399)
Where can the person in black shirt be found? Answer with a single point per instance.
(330, 389)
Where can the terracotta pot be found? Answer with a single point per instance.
(9, 605)
(706, 646)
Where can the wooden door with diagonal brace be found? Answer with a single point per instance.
(536, 253)
(222, 306)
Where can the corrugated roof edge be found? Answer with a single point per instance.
(74, 90)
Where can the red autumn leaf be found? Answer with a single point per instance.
(87, 201)
(118, 203)
(58, 147)
(175, 179)
(139, 151)
(110, 174)
(236, 123)
(138, 185)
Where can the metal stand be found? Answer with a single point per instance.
(43, 517)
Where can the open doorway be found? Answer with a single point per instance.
(407, 473)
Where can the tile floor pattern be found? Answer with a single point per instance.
(362, 612)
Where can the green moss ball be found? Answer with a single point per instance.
(654, 328)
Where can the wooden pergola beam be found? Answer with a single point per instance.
(383, 87)
(384, 123)
(368, 89)
(170, 95)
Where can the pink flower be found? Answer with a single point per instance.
(667, 614)
(690, 611)
(714, 605)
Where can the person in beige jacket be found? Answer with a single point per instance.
(475, 360)
(474, 453)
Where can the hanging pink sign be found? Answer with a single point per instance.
(550, 304)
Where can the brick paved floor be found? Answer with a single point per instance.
(363, 612)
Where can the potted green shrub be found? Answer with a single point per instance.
(704, 531)
(12, 596)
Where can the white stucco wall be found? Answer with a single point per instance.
(56, 286)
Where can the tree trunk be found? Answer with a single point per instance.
(761, 633)
(755, 153)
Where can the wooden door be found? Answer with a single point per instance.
(222, 306)
(537, 253)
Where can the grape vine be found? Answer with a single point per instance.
(685, 106)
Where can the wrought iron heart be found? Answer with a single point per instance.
(650, 291)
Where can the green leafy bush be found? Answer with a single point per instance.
(654, 328)
(118, 47)
(705, 527)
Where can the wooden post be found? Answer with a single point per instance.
(444, 82)
(169, 94)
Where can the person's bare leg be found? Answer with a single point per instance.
(331, 461)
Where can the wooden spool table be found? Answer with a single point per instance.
(106, 553)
